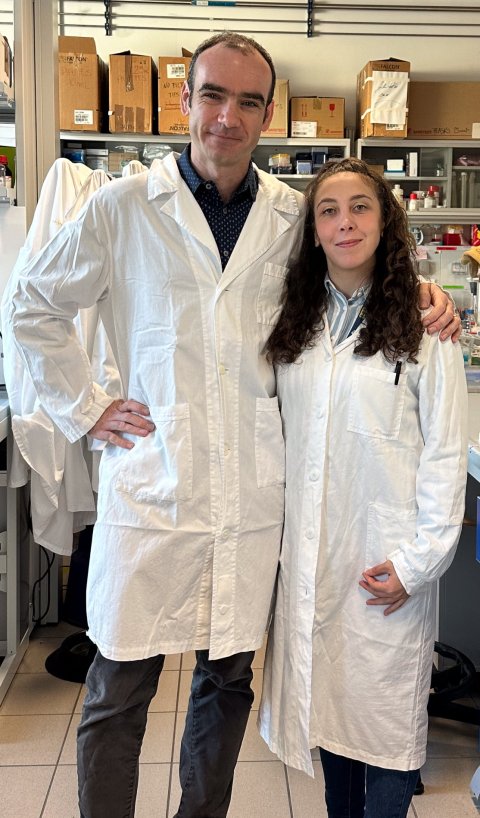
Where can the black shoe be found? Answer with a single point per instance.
(419, 789)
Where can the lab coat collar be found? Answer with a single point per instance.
(272, 212)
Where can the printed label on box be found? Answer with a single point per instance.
(475, 130)
(83, 117)
(176, 71)
(300, 128)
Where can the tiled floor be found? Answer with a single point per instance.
(39, 716)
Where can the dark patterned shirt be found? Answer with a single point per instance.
(226, 221)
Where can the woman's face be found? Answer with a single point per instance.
(348, 226)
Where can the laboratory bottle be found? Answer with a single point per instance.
(413, 202)
(398, 193)
(8, 172)
(429, 200)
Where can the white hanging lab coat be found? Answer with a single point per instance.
(62, 474)
(374, 472)
(185, 548)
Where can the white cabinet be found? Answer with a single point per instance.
(450, 165)
(15, 569)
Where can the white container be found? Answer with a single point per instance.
(398, 193)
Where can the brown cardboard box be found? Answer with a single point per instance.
(279, 124)
(81, 84)
(172, 73)
(132, 99)
(444, 110)
(6, 73)
(381, 107)
(313, 117)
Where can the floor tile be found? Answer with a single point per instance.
(184, 690)
(157, 745)
(165, 699)
(153, 790)
(447, 793)
(69, 749)
(179, 728)
(31, 739)
(253, 747)
(257, 682)
(37, 652)
(39, 694)
(23, 790)
(59, 631)
(80, 699)
(152, 794)
(172, 661)
(452, 738)
(259, 789)
(307, 793)
(260, 656)
(188, 660)
(62, 799)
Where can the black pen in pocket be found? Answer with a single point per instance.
(398, 368)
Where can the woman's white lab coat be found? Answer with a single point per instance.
(186, 544)
(375, 471)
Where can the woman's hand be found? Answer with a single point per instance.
(442, 317)
(389, 591)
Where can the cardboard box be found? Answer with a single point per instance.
(132, 96)
(382, 98)
(313, 117)
(172, 73)
(119, 157)
(6, 67)
(444, 110)
(279, 124)
(81, 84)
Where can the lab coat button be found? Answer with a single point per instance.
(221, 369)
(222, 609)
(314, 475)
(225, 534)
(226, 450)
(309, 533)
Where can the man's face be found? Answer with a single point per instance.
(227, 109)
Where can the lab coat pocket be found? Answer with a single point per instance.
(388, 527)
(159, 468)
(269, 443)
(270, 292)
(376, 403)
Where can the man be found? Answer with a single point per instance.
(187, 264)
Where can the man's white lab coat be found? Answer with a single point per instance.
(186, 544)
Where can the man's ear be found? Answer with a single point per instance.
(268, 115)
(185, 99)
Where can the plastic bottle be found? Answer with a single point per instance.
(429, 200)
(8, 172)
(398, 193)
(413, 202)
(3, 186)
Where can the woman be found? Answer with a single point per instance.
(374, 414)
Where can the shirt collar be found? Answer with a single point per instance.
(194, 181)
(358, 295)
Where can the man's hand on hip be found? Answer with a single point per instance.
(123, 416)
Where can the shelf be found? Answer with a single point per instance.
(466, 167)
(182, 139)
(416, 178)
(441, 144)
(445, 215)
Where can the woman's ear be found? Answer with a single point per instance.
(317, 240)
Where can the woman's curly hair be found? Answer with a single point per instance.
(391, 312)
